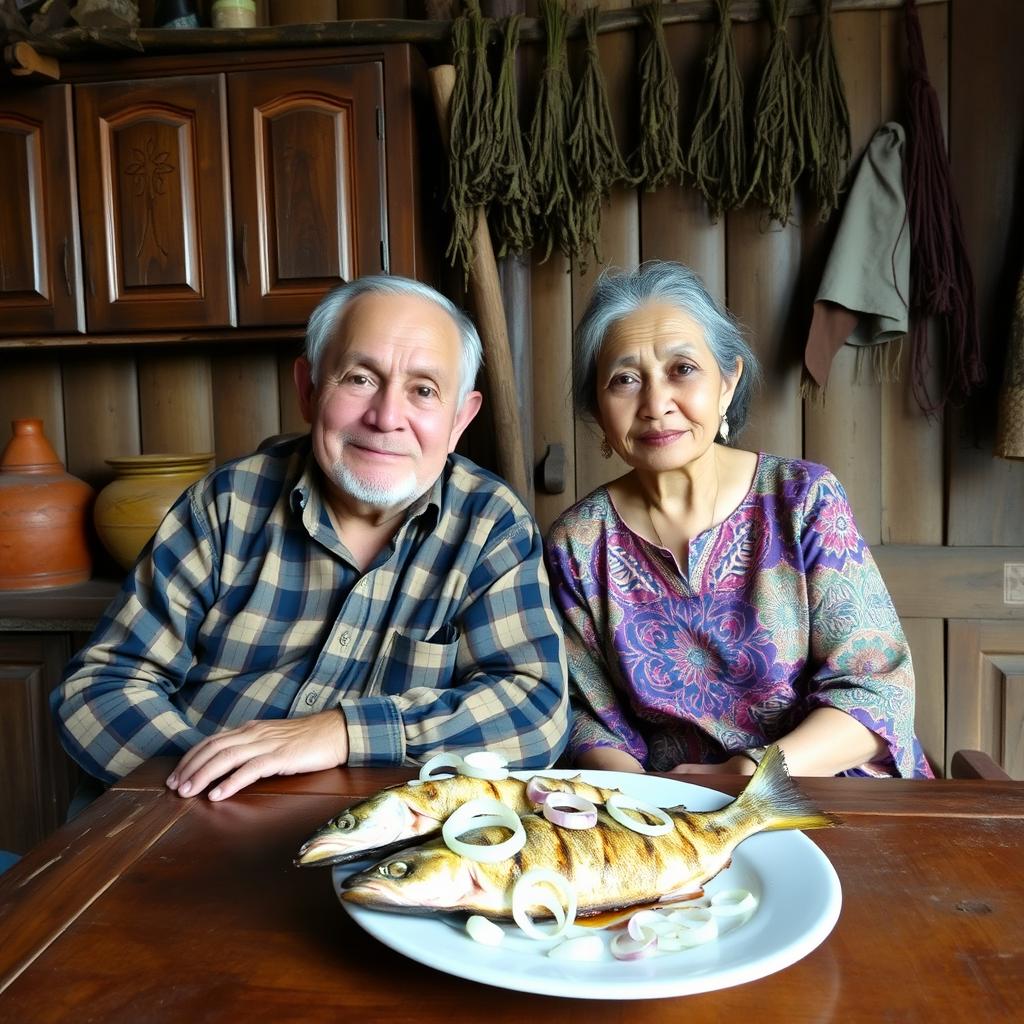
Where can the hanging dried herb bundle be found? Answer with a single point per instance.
(941, 282)
(718, 151)
(778, 158)
(659, 157)
(514, 201)
(827, 116)
(597, 164)
(471, 158)
(549, 140)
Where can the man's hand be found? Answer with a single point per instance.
(260, 749)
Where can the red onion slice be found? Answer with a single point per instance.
(568, 810)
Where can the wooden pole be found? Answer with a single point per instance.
(485, 291)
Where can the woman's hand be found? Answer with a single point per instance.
(260, 749)
(738, 764)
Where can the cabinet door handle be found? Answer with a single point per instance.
(243, 251)
(64, 261)
(551, 472)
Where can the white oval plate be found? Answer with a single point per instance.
(799, 900)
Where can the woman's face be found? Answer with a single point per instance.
(660, 394)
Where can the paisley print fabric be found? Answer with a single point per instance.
(780, 610)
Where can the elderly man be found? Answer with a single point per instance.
(357, 596)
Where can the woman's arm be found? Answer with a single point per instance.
(609, 759)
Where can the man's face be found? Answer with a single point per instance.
(385, 414)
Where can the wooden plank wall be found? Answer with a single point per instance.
(943, 516)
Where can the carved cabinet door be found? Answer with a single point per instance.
(40, 266)
(308, 185)
(153, 191)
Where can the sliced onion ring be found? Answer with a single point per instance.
(625, 947)
(440, 761)
(692, 926)
(733, 903)
(568, 810)
(486, 932)
(530, 889)
(485, 764)
(618, 805)
(481, 813)
(538, 788)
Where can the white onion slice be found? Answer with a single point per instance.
(642, 922)
(618, 806)
(486, 932)
(538, 788)
(481, 813)
(625, 947)
(692, 926)
(581, 947)
(568, 810)
(440, 761)
(485, 764)
(733, 903)
(535, 887)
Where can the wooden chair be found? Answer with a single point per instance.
(975, 764)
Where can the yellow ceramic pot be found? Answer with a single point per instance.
(129, 509)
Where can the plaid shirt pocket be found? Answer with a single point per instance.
(409, 663)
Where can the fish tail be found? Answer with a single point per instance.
(775, 799)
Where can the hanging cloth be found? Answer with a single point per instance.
(514, 202)
(827, 116)
(717, 156)
(596, 161)
(549, 140)
(862, 299)
(941, 282)
(659, 158)
(778, 158)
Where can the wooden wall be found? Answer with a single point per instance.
(943, 516)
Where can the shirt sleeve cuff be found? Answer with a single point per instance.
(375, 733)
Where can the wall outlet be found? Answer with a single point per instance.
(1013, 582)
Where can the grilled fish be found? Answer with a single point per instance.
(405, 814)
(610, 866)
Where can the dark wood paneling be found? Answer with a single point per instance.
(40, 261)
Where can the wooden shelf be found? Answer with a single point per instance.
(59, 609)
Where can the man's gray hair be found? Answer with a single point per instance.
(619, 293)
(324, 321)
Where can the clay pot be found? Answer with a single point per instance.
(129, 509)
(44, 515)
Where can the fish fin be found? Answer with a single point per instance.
(677, 809)
(773, 794)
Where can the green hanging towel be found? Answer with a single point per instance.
(778, 158)
(659, 157)
(514, 204)
(718, 153)
(597, 164)
(549, 141)
(471, 158)
(827, 116)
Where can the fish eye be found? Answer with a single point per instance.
(395, 869)
(345, 822)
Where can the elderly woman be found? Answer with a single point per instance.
(715, 600)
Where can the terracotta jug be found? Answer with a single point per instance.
(44, 515)
(129, 509)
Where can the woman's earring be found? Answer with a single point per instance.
(606, 448)
(723, 428)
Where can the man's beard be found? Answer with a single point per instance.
(376, 494)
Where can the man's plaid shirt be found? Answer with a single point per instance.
(246, 605)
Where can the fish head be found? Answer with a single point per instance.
(428, 878)
(377, 823)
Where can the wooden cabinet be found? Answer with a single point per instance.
(40, 272)
(307, 172)
(38, 777)
(153, 188)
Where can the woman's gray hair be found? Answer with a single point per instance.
(324, 321)
(619, 293)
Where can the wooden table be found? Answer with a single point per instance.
(153, 908)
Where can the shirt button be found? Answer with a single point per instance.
(343, 639)
(311, 698)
